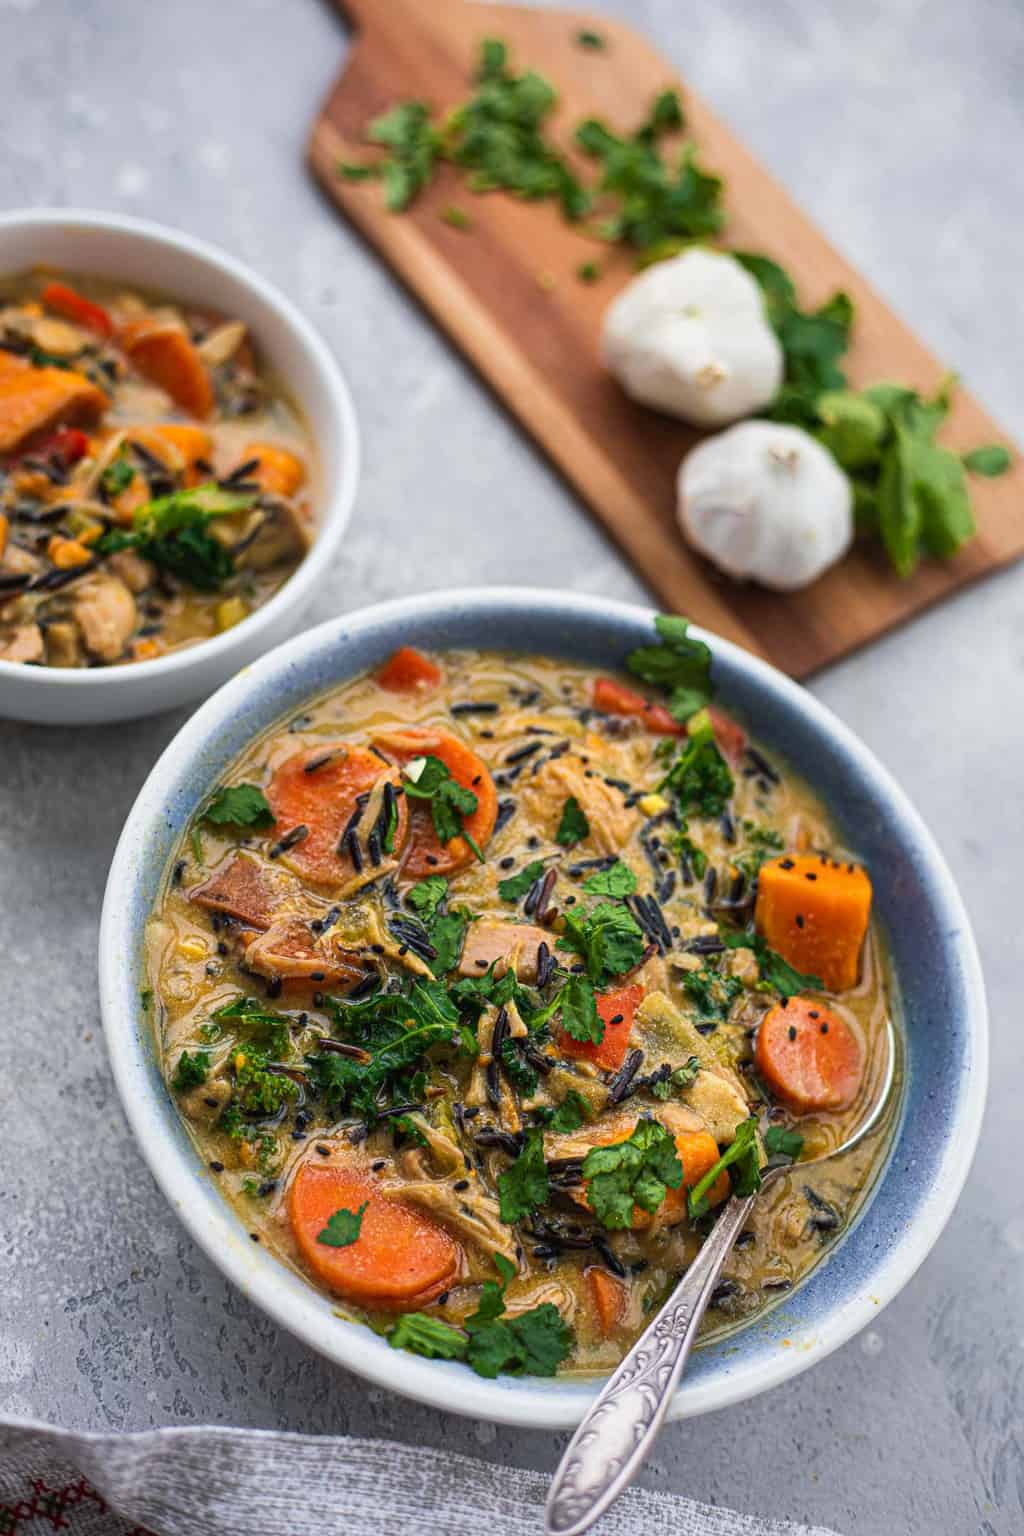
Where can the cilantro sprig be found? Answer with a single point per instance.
(524, 1184)
(680, 665)
(428, 778)
(742, 1156)
(700, 778)
(238, 805)
(532, 1343)
(608, 939)
(638, 1171)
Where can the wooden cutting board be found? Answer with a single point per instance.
(507, 293)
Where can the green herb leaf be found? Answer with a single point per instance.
(447, 933)
(713, 993)
(594, 40)
(588, 271)
(427, 895)
(580, 1018)
(268, 1030)
(638, 1171)
(518, 885)
(397, 1029)
(458, 218)
(779, 1141)
(608, 938)
(428, 778)
(682, 1078)
(700, 778)
(743, 1157)
(428, 1336)
(117, 476)
(658, 206)
(171, 532)
(991, 461)
(190, 1071)
(570, 1114)
(239, 805)
(773, 970)
(679, 665)
(342, 1229)
(573, 826)
(618, 881)
(524, 1186)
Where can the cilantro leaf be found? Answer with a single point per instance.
(570, 1114)
(573, 826)
(743, 1156)
(498, 136)
(700, 778)
(428, 778)
(812, 341)
(534, 1342)
(619, 880)
(679, 665)
(638, 1171)
(415, 147)
(580, 1018)
(524, 1185)
(658, 205)
(343, 1228)
(779, 1141)
(991, 461)
(191, 1071)
(239, 805)
(774, 971)
(608, 938)
(447, 933)
(518, 885)
(428, 1336)
(427, 895)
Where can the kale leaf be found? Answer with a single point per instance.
(517, 885)
(774, 971)
(191, 1071)
(700, 778)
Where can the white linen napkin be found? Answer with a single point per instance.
(250, 1482)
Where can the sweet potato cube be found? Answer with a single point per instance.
(814, 912)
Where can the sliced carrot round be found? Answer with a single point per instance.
(425, 853)
(408, 671)
(809, 1056)
(616, 1009)
(401, 1260)
(318, 789)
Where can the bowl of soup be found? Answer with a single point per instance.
(178, 460)
(462, 958)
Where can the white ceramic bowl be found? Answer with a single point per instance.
(941, 1007)
(135, 251)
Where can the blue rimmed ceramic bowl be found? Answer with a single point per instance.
(942, 1008)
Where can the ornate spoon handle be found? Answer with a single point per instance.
(615, 1436)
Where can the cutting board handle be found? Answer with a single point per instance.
(363, 13)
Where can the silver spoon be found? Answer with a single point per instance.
(619, 1429)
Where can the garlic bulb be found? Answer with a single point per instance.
(689, 336)
(766, 502)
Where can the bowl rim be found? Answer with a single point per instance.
(526, 1402)
(338, 498)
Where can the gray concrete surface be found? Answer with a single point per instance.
(899, 127)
